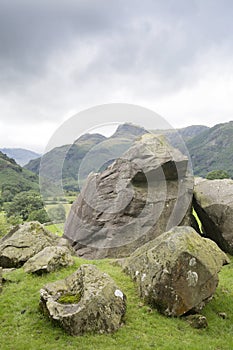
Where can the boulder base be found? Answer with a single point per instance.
(176, 272)
(86, 301)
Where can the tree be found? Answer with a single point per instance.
(23, 204)
(217, 174)
(39, 215)
(57, 213)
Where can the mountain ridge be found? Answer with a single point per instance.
(21, 155)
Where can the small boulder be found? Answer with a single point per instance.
(22, 242)
(48, 260)
(214, 206)
(86, 301)
(176, 272)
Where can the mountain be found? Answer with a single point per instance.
(20, 155)
(128, 131)
(68, 155)
(14, 178)
(209, 148)
(90, 152)
(212, 149)
(178, 138)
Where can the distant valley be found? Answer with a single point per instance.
(20, 155)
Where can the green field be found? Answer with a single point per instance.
(23, 327)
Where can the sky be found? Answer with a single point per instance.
(58, 58)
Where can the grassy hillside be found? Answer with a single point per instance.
(23, 327)
(212, 149)
(20, 155)
(13, 176)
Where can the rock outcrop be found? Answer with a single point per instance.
(178, 271)
(139, 196)
(48, 260)
(214, 205)
(23, 242)
(86, 301)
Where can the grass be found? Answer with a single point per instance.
(57, 229)
(23, 327)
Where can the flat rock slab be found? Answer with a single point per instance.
(48, 260)
(176, 272)
(86, 301)
(213, 202)
(23, 242)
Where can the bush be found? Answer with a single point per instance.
(217, 174)
(57, 213)
(39, 215)
(23, 204)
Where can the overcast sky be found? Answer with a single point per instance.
(60, 57)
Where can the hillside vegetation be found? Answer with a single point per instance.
(212, 149)
(14, 178)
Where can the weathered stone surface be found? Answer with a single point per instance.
(86, 301)
(214, 205)
(197, 321)
(0, 279)
(23, 242)
(178, 271)
(139, 196)
(48, 260)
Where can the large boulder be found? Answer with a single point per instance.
(86, 301)
(23, 242)
(214, 206)
(139, 196)
(48, 260)
(176, 272)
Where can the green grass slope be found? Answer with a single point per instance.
(24, 327)
(13, 175)
(212, 149)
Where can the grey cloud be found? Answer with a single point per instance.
(30, 31)
(155, 43)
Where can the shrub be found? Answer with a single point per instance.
(217, 174)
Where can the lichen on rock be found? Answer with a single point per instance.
(176, 272)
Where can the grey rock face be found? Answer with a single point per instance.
(86, 301)
(176, 272)
(139, 196)
(23, 242)
(48, 260)
(214, 205)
